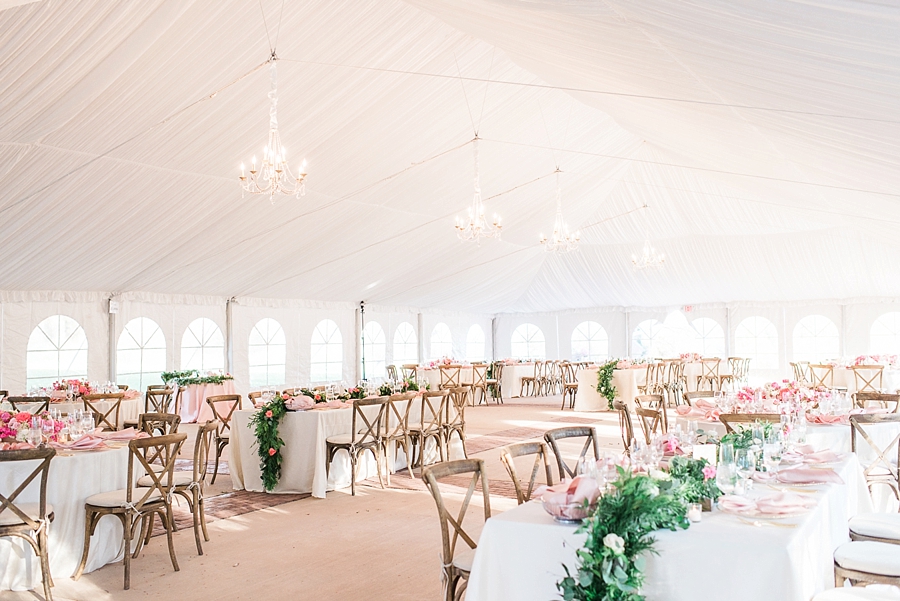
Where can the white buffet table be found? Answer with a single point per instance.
(71, 480)
(521, 553)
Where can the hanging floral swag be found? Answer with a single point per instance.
(604, 381)
(265, 423)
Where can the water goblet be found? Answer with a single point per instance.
(726, 474)
(726, 453)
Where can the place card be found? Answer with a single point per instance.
(706, 451)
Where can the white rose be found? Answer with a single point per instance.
(659, 474)
(614, 542)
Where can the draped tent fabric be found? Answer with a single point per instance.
(761, 137)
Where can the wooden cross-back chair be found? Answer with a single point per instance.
(192, 490)
(223, 407)
(396, 429)
(137, 506)
(33, 404)
(868, 378)
(156, 424)
(883, 469)
(528, 384)
(456, 565)
(410, 371)
(106, 420)
(541, 458)
(495, 382)
(728, 419)
(431, 424)
(450, 376)
(455, 418)
(821, 375)
(626, 427)
(478, 383)
(692, 396)
(709, 373)
(159, 401)
(29, 521)
(392, 373)
(881, 399)
(553, 436)
(801, 372)
(651, 412)
(365, 435)
(569, 384)
(673, 386)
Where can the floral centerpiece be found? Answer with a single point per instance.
(609, 565)
(192, 376)
(885, 360)
(406, 385)
(605, 386)
(693, 480)
(690, 357)
(77, 386)
(742, 437)
(15, 426)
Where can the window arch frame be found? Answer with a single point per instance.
(212, 354)
(814, 326)
(441, 347)
(73, 344)
(885, 344)
(480, 342)
(142, 341)
(650, 328)
(704, 336)
(742, 344)
(375, 352)
(408, 341)
(333, 370)
(531, 340)
(598, 337)
(272, 340)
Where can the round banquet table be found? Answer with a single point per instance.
(128, 410)
(71, 480)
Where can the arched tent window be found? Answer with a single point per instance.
(267, 353)
(140, 354)
(475, 344)
(441, 341)
(202, 346)
(710, 337)
(528, 342)
(644, 337)
(375, 348)
(757, 338)
(406, 345)
(884, 336)
(816, 339)
(57, 348)
(590, 342)
(327, 358)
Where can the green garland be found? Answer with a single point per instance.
(405, 386)
(265, 423)
(742, 437)
(610, 566)
(604, 381)
(192, 376)
(691, 480)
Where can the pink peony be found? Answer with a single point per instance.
(272, 451)
(709, 472)
(23, 417)
(269, 413)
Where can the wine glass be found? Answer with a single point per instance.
(726, 453)
(745, 462)
(726, 474)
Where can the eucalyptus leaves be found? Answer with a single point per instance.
(610, 565)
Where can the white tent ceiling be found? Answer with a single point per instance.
(763, 137)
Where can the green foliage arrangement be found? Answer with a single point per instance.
(610, 566)
(742, 437)
(265, 424)
(691, 480)
(604, 381)
(192, 376)
(405, 386)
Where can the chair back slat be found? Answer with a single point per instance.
(35, 404)
(479, 375)
(109, 419)
(396, 416)
(626, 427)
(541, 458)
(158, 400)
(587, 432)
(450, 376)
(205, 435)
(410, 371)
(651, 410)
(881, 399)
(365, 429)
(434, 409)
(861, 429)
(223, 407)
(162, 481)
(821, 375)
(8, 501)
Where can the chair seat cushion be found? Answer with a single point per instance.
(873, 592)
(880, 525)
(463, 558)
(870, 557)
(32, 510)
(344, 439)
(117, 498)
(179, 478)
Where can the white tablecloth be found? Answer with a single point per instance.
(304, 434)
(72, 479)
(512, 378)
(626, 382)
(845, 378)
(128, 410)
(521, 552)
(194, 407)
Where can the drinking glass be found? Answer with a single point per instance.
(745, 461)
(757, 433)
(87, 423)
(48, 429)
(772, 456)
(726, 474)
(726, 453)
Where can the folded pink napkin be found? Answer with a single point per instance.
(763, 476)
(784, 502)
(86, 442)
(570, 491)
(126, 434)
(826, 456)
(132, 393)
(802, 475)
(15, 446)
(828, 419)
(705, 404)
(299, 403)
(709, 415)
(332, 405)
(736, 504)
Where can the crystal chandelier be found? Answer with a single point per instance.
(649, 258)
(273, 176)
(476, 226)
(561, 241)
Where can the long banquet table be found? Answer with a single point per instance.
(521, 552)
(73, 477)
(304, 434)
(129, 409)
